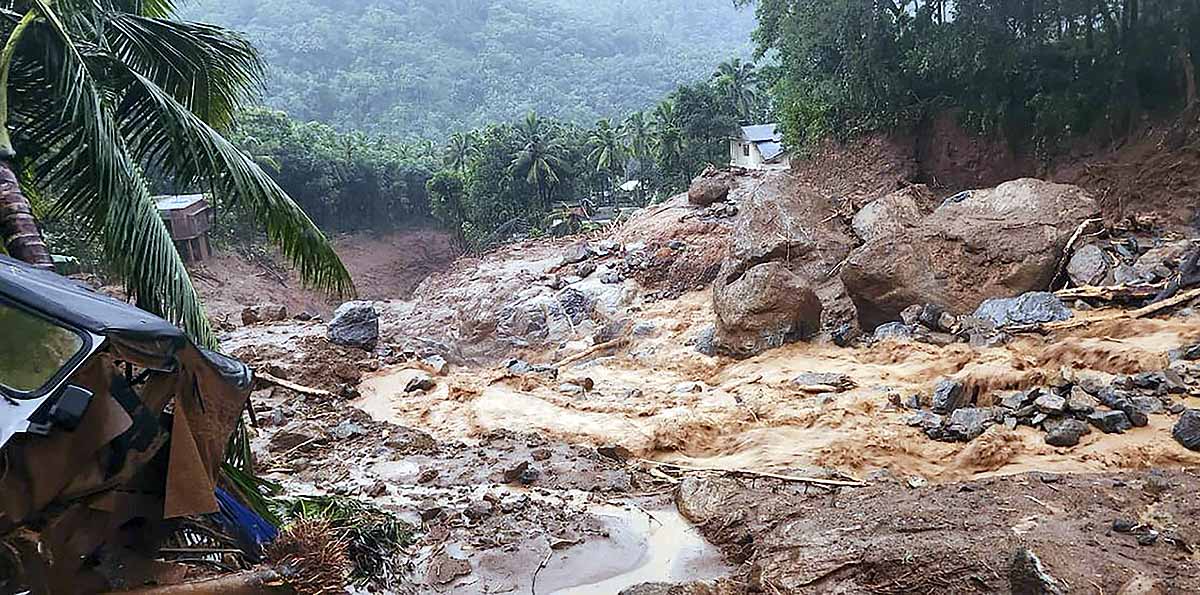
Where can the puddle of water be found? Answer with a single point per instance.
(643, 547)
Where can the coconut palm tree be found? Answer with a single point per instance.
(738, 82)
(607, 151)
(637, 133)
(667, 137)
(459, 151)
(93, 94)
(540, 161)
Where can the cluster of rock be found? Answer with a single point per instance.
(1130, 261)
(932, 323)
(1067, 411)
(976, 245)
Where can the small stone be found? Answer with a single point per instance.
(1110, 422)
(585, 269)
(930, 317)
(1027, 576)
(1066, 432)
(913, 402)
(1016, 400)
(354, 324)
(1079, 401)
(523, 473)
(575, 254)
(1147, 380)
(684, 388)
(823, 382)
(1148, 405)
(479, 510)
(968, 423)
(1051, 404)
(437, 364)
(1088, 266)
(347, 429)
(1124, 525)
(420, 382)
(949, 395)
(427, 476)
(541, 454)
(571, 389)
(925, 420)
(1187, 429)
(1148, 538)
(911, 315)
(894, 330)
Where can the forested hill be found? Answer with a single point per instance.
(424, 68)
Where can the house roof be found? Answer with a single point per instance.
(177, 201)
(761, 133)
(767, 138)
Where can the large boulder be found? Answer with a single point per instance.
(775, 284)
(355, 324)
(762, 308)
(892, 213)
(710, 187)
(977, 245)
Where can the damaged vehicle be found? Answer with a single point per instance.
(112, 424)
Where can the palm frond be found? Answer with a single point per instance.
(171, 139)
(93, 175)
(209, 70)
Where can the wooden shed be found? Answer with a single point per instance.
(189, 217)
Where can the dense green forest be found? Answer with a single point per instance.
(1036, 71)
(426, 68)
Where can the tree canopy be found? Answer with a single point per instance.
(426, 68)
(1034, 69)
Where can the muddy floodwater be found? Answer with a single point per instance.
(663, 401)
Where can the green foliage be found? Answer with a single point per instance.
(425, 68)
(375, 539)
(1031, 68)
(345, 182)
(446, 201)
(97, 94)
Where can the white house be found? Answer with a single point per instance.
(759, 147)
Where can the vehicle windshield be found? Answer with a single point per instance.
(32, 351)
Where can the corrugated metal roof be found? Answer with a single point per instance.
(177, 201)
(761, 132)
(770, 150)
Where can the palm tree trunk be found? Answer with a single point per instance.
(21, 234)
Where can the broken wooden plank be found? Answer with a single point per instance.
(1070, 250)
(300, 388)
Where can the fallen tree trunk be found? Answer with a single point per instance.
(266, 581)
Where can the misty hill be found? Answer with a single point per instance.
(427, 67)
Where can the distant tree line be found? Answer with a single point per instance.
(511, 173)
(1038, 70)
